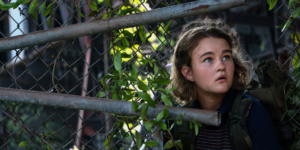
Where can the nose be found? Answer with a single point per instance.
(220, 66)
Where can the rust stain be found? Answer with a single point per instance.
(200, 7)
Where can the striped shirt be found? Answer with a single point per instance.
(216, 138)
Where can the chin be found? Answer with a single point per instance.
(222, 90)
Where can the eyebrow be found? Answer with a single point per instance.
(212, 53)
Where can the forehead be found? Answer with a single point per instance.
(211, 44)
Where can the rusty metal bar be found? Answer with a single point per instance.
(105, 25)
(105, 105)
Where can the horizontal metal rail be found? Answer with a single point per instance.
(105, 25)
(105, 105)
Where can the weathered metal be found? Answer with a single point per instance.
(105, 25)
(105, 105)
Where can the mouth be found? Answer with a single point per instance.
(221, 79)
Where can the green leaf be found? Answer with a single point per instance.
(101, 94)
(123, 41)
(19, 136)
(167, 26)
(171, 126)
(48, 9)
(149, 100)
(191, 125)
(138, 139)
(76, 9)
(162, 125)
(171, 89)
(179, 144)
(134, 106)
(143, 86)
(42, 7)
(177, 2)
(48, 21)
(1, 3)
(32, 8)
(93, 5)
(8, 6)
(272, 3)
(106, 15)
(298, 83)
(287, 25)
(118, 61)
(22, 144)
(153, 123)
(48, 147)
(169, 144)
(134, 72)
(151, 143)
(142, 34)
(144, 112)
(106, 142)
(295, 63)
(291, 4)
(162, 81)
(22, 1)
(145, 96)
(126, 41)
(296, 13)
(165, 99)
(196, 127)
(117, 39)
(159, 116)
(147, 125)
(280, 26)
(127, 33)
(155, 69)
(166, 112)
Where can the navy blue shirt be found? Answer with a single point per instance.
(259, 124)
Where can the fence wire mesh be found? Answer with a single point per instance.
(76, 66)
(73, 66)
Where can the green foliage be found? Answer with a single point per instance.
(272, 3)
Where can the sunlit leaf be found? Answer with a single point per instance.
(22, 144)
(1, 3)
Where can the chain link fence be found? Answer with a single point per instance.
(75, 62)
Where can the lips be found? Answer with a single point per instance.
(221, 78)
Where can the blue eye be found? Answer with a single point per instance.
(226, 57)
(208, 60)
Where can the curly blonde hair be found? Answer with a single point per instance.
(189, 38)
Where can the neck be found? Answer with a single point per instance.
(210, 101)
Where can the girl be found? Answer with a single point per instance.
(208, 71)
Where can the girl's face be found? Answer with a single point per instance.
(212, 66)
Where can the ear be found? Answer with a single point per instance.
(187, 73)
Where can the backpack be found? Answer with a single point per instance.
(269, 91)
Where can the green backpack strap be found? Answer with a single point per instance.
(237, 124)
